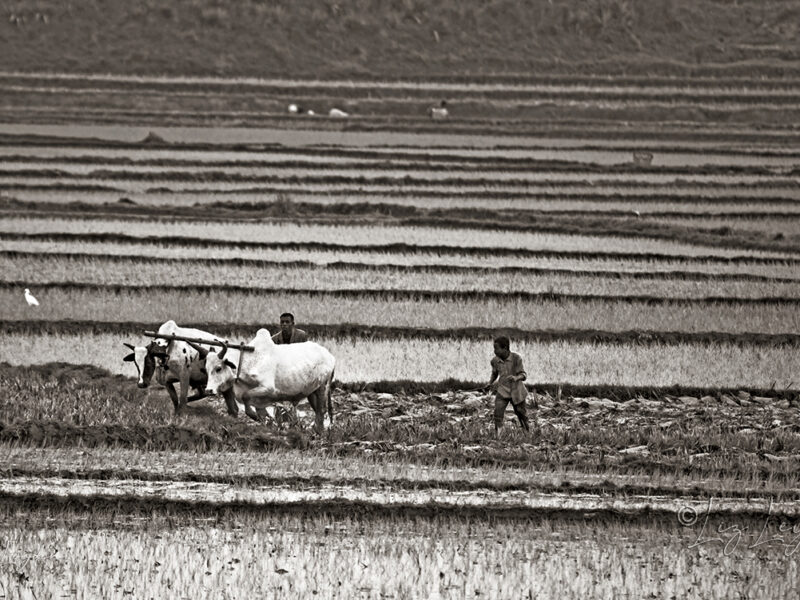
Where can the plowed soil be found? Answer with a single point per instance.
(724, 433)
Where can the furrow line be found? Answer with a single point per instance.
(354, 330)
(397, 248)
(377, 151)
(390, 267)
(400, 294)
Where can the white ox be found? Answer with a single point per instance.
(183, 363)
(275, 373)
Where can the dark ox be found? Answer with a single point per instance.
(144, 358)
(153, 359)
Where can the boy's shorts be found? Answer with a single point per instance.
(500, 404)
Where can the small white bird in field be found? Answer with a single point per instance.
(337, 113)
(294, 109)
(30, 299)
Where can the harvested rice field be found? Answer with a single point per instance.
(630, 223)
(363, 235)
(99, 270)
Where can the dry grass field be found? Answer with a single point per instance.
(616, 187)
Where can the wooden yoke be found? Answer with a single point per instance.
(182, 338)
(243, 347)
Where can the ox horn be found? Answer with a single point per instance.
(224, 350)
(131, 346)
(200, 350)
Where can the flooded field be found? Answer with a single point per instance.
(446, 172)
(261, 135)
(284, 497)
(341, 558)
(665, 158)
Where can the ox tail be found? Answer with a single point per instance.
(330, 402)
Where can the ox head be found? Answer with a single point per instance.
(221, 372)
(144, 357)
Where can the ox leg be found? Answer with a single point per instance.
(199, 395)
(317, 402)
(251, 412)
(173, 395)
(184, 389)
(329, 398)
(262, 396)
(279, 417)
(230, 402)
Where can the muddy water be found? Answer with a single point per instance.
(584, 83)
(421, 175)
(301, 137)
(222, 493)
(610, 156)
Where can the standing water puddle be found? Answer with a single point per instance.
(224, 493)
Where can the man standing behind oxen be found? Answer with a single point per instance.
(289, 334)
